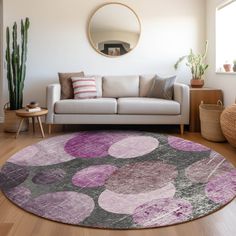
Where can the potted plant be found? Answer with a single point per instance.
(197, 65)
(16, 56)
(227, 66)
(234, 67)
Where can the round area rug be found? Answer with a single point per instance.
(118, 180)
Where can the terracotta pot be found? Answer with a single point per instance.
(197, 83)
(12, 122)
(227, 67)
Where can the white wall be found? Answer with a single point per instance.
(58, 39)
(226, 82)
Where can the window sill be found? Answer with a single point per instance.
(225, 73)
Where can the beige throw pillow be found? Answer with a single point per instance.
(120, 86)
(67, 91)
(162, 88)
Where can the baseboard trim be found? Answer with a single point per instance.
(1, 119)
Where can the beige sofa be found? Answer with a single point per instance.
(121, 100)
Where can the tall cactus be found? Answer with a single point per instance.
(16, 56)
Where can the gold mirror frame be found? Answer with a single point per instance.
(89, 28)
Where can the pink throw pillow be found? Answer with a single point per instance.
(84, 87)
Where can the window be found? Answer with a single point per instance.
(226, 37)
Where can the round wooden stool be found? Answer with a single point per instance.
(26, 115)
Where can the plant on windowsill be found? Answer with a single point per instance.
(234, 67)
(16, 56)
(197, 65)
(227, 66)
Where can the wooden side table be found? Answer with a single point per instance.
(26, 115)
(207, 95)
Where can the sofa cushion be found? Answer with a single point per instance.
(162, 87)
(120, 86)
(66, 84)
(148, 106)
(86, 106)
(84, 87)
(145, 84)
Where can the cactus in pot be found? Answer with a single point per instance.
(16, 56)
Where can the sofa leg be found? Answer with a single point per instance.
(181, 129)
(49, 128)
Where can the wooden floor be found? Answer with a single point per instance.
(14, 221)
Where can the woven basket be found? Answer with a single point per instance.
(210, 121)
(228, 124)
(12, 121)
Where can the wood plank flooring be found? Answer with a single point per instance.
(16, 222)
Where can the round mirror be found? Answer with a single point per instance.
(114, 29)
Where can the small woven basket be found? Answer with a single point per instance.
(228, 124)
(210, 121)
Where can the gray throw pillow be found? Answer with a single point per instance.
(162, 88)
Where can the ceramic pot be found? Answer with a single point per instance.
(234, 68)
(197, 83)
(227, 67)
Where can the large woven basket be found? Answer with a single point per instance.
(228, 124)
(12, 121)
(210, 121)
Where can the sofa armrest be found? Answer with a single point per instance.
(53, 95)
(181, 95)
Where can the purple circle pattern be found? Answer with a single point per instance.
(92, 145)
(141, 177)
(12, 175)
(162, 212)
(222, 189)
(25, 156)
(46, 152)
(185, 145)
(67, 207)
(49, 176)
(133, 147)
(20, 195)
(128, 202)
(93, 176)
(203, 171)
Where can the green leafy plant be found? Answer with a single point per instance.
(234, 67)
(16, 56)
(196, 63)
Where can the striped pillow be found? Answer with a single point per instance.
(84, 87)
